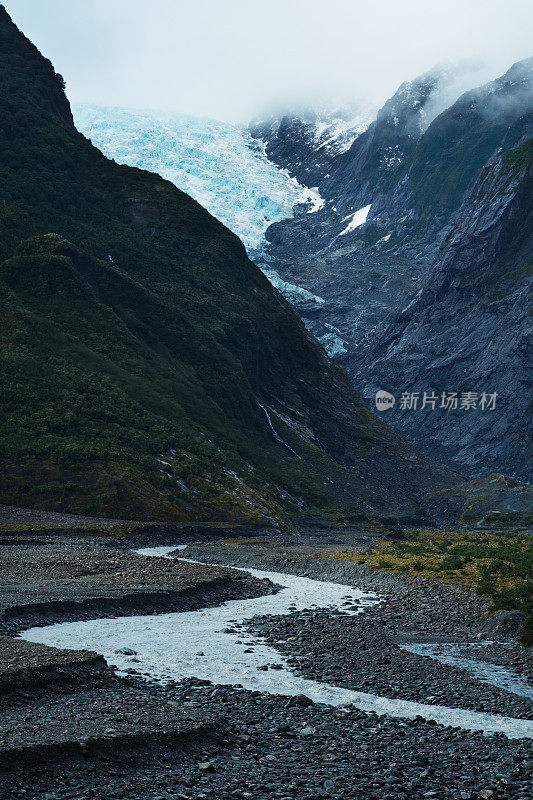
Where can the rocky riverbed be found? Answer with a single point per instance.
(103, 736)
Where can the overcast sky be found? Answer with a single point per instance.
(233, 58)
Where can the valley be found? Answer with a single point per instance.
(404, 207)
(332, 672)
(225, 571)
(421, 255)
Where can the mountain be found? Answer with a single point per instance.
(149, 369)
(217, 163)
(307, 142)
(359, 271)
(418, 197)
(472, 325)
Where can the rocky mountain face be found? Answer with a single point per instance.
(306, 143)
(471, 327)
(149, 369)
(419, 199)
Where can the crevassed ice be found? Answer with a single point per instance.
(332, 341)
(211, 644)
(296, 294)
(217, 163)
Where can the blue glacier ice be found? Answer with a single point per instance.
(227, 171)
(217, 163)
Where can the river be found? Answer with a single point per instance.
(213, 644)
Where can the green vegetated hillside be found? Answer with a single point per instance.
(464, 137)
(148, 368)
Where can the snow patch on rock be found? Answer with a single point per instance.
(357, 219)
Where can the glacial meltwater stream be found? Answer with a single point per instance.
(213, 644)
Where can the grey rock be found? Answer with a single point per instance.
(301, 700)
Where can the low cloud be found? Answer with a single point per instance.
(232, 59)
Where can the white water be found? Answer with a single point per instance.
(452, 654)
(210, 644)
(162, 552)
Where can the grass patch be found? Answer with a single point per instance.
(497, 566)
(504, 519)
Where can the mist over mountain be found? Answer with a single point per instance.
(232, 61)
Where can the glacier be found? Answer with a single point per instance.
(225, 169)
(219, 164)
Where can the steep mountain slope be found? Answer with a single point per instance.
(360, 271)
(148, 368)
(472, 325)
(307, 143)
(386, 228)
(456, 145)
(356, 153)
(377, 161)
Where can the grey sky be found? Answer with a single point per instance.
(232, 58)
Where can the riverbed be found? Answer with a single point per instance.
(214, 645)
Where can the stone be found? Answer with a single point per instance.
(301, 700)
(508, 622)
